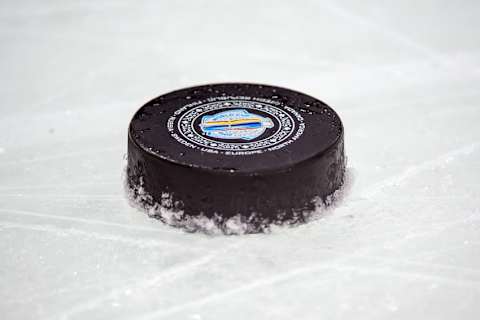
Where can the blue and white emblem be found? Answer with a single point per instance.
(235, 124)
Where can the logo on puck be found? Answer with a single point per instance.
(236, 125)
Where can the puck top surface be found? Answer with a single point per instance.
(236, 128)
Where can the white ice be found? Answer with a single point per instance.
(403, 244)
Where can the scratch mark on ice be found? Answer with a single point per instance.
(399, 37)
(414, 170)
(59, 156)
(65, 196)
(58, 185)
(80, 220)
(64, 232)
(165, 276)
(299, 272)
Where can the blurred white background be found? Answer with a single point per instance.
(403, 244)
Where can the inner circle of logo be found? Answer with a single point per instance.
(236, 126)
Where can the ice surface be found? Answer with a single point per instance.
(403, 244)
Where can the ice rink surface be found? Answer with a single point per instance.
(404, 243)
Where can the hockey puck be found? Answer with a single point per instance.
(234, 154)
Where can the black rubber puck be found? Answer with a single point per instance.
(253, 154)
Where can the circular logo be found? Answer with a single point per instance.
(236, 126)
